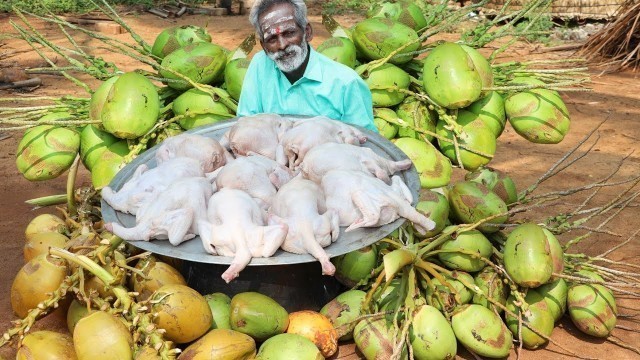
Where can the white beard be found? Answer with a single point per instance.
(294, 62)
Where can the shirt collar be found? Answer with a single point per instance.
(313, 71)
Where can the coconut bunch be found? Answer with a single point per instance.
(191, 82)
(444, 103)
(484, 278)
(617, 45)
(123, 304)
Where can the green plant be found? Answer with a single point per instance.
(337, 7)
(536, 29)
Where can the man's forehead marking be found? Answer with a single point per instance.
(277, 28)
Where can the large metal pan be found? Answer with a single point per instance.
(193, 250)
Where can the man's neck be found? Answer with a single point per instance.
(296, 74)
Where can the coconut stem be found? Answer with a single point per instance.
(47, 201)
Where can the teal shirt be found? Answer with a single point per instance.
(327, 88)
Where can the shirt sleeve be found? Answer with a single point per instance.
(249, 102)
(358, 106)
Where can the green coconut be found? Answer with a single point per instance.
(220, 305)
(382, 118)
(471, 202)
(555, 296)
(176, 37)
(377, 38)
(200, 62)
(497, 181)
(538, 115)
(476, 136)
(527, 256)
(450, 77)
(417, 114)
(481, 331)
(490, 109)
(288, 346)
(93, 142)
(491, 285)
(355, 265)
(194, 100)
(108, 164)
(536, 317)
(75, 312)
(234, 73)
(482, 66)
(374, 338)
(343, 311)
(406, 12)
(382, 78)
(434, 169)
(555, 249)
(99, 97)
(131, 108)
(435, 206)
(257, 315)
(46, 151)
(592, 307)
(464, 251)
(339, 49)
(431, 335)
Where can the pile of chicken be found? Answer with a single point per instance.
(271, 182)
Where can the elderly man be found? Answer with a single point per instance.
(290, 77)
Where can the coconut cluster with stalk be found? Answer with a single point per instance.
(444, 104)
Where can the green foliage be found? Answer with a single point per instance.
(41, 7)
(536, 30)
(337, 7)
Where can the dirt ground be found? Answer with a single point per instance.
(614, 97)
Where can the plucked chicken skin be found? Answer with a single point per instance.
(236, 226)
(300, 204)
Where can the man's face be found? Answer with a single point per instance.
(283, 41)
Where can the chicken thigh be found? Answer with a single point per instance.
(258, 134)
(145, 183)
(171, 214)
(235, 227)
(308, 133)
(206, 150)
(257, 175)
(300, 204)
(332, 156)
(365, 201)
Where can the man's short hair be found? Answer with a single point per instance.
(260, 6)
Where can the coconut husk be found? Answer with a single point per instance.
(617, 45)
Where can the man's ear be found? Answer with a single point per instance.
(309, 32)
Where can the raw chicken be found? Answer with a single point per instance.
(235, 227)
(258, 134)
(171, 214)
(206, 150)
(365, 201)
(301, 205)
(308, 133)
(257, 175)
(332, 156)
(145, 183)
